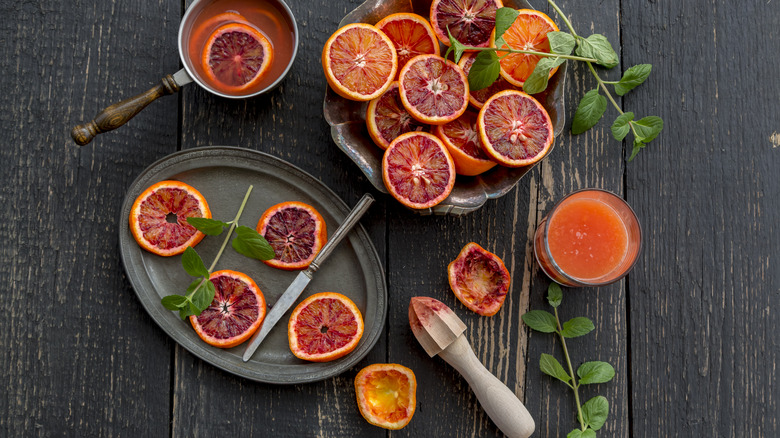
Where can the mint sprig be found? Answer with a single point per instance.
(200, 293)
(594, 49)
(592, 414)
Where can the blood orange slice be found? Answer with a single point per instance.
(411, 36)
(158, 218)
(417, 170)
(479, 97)
(324, 327)
(462, 140)
(471, 22)
(238, 309)
(479, 279)
(386, 118)
(359, 62)
(386, 394)
(528, 32)
(237, 56)
(515, 129)
(296, 232)
(433, 90)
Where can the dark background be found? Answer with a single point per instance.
(691, 331)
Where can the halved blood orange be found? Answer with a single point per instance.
(479, 279)
(411, 35)
(433, 90)
(158, 218)
(386, 118)
(471, 22)
(386, 394)
(359, 62)
(237, 56)
(296, 232)
(528, 32)
(515, 129)
(462, 140)
(417, 170)
(479, 97)
(236, 312)
(324, 327)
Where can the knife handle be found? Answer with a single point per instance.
(120, 113)
(350, 221)
(500, 403)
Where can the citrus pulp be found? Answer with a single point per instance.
(324, 327)
(386, 394)
(479, 279)
(296, 232)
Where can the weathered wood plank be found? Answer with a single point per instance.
(703, 304)
(592, 159)
(81, 356)
(286, 123)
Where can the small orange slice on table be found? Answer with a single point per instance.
(464, 145)
(359, 62)
(386, 394)
(515, 129)
(479, 97)
(528, 32)
(411, 35)
(433, 90)
(237, 56)
(471, 22)
(479, 279)
(324, 327)
(237, 311)
(386, 118)
(417, 170)
(158, 218)
(296, 232)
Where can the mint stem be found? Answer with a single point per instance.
(574, 386)
(531, 52)
(563, 17)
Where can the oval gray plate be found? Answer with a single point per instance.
(347, 120)
(223, 174)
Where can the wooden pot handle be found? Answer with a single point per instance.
(500, 403)
(120, 113)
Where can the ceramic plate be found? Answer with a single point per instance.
(347, 120)
(223, 174)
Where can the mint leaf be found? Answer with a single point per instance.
(193, 264)
(598, 47)
(589, 111)
(194, 284)
(638, 145)
(561, 43)
(504, 19)
(550, 366)
(537, 82)
(621, 127)
(576, 327)
(648, 128)
(203, 297)
(251, 244)
(595, 412)
(632, 78)
(540, 321)
(484, 71)
(588, 433)
(595, 372)
(189, 310)
(455, 46)
(554, 294)
(174, 302)
(576, 433)
(210, 227)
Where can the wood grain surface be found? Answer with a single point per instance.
(690, 332)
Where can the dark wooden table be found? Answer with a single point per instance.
(691, 331)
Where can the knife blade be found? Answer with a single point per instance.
(294, 290)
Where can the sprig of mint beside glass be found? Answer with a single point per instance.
(200, 292)
(593, 413)
(594, 49)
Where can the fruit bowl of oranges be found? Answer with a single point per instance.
(407, 116)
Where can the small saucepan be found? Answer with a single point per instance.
(272, 17)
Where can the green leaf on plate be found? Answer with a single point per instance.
(251, 244)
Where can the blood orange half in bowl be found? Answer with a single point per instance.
(347, 120)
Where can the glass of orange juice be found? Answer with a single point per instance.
(591, 237)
